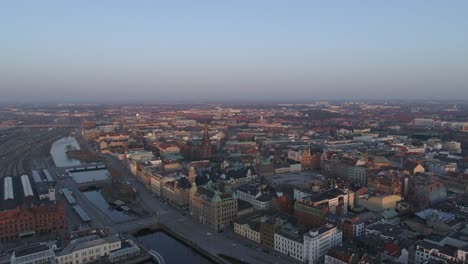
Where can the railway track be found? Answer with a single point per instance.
(22, 146)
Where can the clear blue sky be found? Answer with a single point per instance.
(258, 50)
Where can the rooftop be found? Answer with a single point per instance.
(243, 205)
(87, 242)
(330, 194)
(28, 250)
(18, 189)
(317, 231)
(385, 229)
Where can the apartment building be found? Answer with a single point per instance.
(209, 206)
(318, 241)
(288, 240)
(259, 196)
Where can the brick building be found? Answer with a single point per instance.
(28, 221)
(23, 214)
(310, 215)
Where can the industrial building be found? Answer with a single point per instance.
(28, 207)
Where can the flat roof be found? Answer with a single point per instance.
(8, 188)
(42, 188)
(30, 250)
(68, 195)
(83, 215)
(27, 189)
(48, 176)
(87, 242)
(36, 176)
(242, 205)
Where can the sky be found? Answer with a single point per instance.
(90, 51)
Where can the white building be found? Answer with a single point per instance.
(247, 231)
(295, 168)
(295, 154)
(423, 123)
(299, 194)
(33, 254)
(359, 229)
(426, 251)
(88, 249)
(318, 241)
(129, 249)
(291, 245)
(256, 195)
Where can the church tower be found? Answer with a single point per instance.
(206, 144)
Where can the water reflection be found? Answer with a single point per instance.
(89, 176)
(59, 155)
(172, 250)
(96, 198)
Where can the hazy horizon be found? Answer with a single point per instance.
(271, 51)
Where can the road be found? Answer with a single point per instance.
(178, 221)
(22, 149)
(213, 242)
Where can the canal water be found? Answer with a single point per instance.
(97, 200)
(90, 176)
(59, 149)
(172, 250)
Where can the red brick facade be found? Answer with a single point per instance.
(42, 219)
(311, 216)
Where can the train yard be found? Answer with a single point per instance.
(23, 149)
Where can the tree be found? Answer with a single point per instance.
(70, 148)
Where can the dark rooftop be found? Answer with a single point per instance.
(242, 205)
(317, 197)
(30, 250)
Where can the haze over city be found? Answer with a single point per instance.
(234, 132)
(88, 51)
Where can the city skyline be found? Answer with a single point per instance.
(210, 51)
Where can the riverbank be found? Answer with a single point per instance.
(188, 243)
(83, 156)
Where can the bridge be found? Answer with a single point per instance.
(85, 186)
(156, 256)
(135, 225)
(86, 167)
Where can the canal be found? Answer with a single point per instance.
(97, 200)
(172, 250)
(90, 175)
(58, 152)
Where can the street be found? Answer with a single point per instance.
(213, 242)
